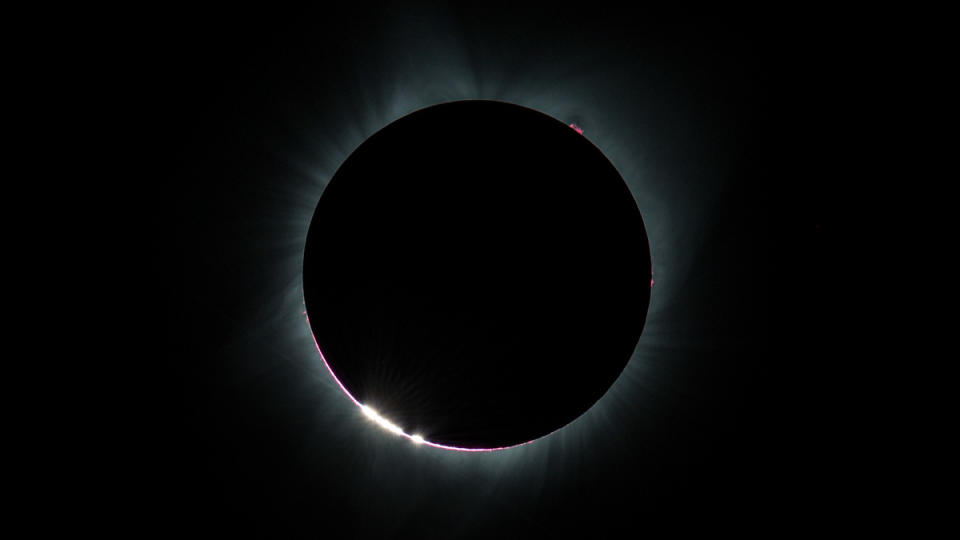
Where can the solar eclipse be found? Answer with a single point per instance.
(465, 290)
(476, 275)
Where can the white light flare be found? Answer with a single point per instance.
(382, 422)
(373, 415)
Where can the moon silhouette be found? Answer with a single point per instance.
(476, 275)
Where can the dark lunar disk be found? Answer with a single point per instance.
(478, 273)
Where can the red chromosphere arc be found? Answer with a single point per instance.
(415, 438)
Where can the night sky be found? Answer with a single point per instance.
(248, 115)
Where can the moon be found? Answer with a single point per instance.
(476, 275)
